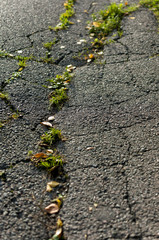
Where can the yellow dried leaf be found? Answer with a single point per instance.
(20, 69)
(52, 208)
(65, 4)
(59, 223)
(91, 56)
(58, 201)
(132, 17)
(96, 24)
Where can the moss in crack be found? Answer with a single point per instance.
(152, 5)
(50, 162)
(51, 137)
(4, 96)
(64, 17)
(48, 45)
(59, 85)
(58, 97)
(105, 22)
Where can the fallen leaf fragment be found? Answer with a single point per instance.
(58, 234)
(58, 201)
(85, 11)
(90, 209)
(51, 185)
(51, 118)
(40, 155)
(48, 124)
(52, 208)
(89, 148)
(91, 56)
(50, 151)
(20, 69)
(48, 188)
(96, 24)
(59, 223)
(132, 17)
(95, 205)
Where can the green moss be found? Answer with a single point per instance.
(105, 21)
(48, 45)
(51, 162)
(22, 63)
(58, 97)
(51, 137)
(4, 96)
(64, 17)
(152, 5)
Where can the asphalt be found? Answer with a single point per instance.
(110, 121)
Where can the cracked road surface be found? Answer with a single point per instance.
(111, 123)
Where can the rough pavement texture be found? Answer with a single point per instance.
(110, 120)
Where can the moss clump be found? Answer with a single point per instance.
(47, 161)
(48, 45)
(4, 96)
(51, 162)
(58, 97)
(64, 17)
(105, 21)
(51, 137)
(152, 5)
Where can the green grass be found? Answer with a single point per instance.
(51, 137)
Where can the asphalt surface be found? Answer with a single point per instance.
(111, 123)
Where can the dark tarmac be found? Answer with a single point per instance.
(111, 122)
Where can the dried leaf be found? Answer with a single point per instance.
(48, 124)
(58, 234)
(52, 208)
(59, 223)
(132, 17)
(89, 148)
(40, 155)
(20, 69)
(85, 11)
(91, 56)
(48, 188)
(95, 205)
(58, 201)
(51, 185)
(50, 151)
(51, 118)
(96, 24)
